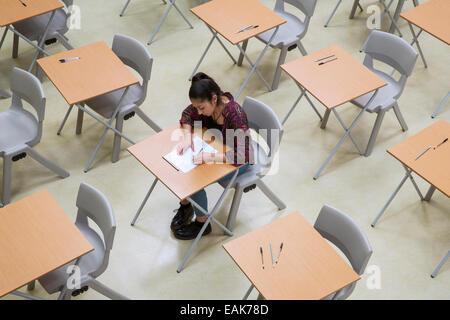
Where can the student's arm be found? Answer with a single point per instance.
(188, 117)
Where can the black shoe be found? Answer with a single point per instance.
(190, 231)
(184, 216)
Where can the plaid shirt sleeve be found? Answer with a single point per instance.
(189, 115)
(237, 130)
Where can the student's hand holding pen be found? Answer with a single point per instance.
(185, 144)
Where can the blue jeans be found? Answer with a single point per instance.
(202, 200)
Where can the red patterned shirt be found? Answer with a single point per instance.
(235, 126)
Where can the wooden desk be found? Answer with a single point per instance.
(13, 11)
(433, 17)
(36, 237)
(308, 267)
(16, 12)
(98, 71)
(228, 17)
(150, 154)
(333, 83)
(432, 166)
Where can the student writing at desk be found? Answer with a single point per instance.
(216, 110)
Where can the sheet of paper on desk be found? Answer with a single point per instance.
(185, 162)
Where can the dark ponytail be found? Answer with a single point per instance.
(203, 87)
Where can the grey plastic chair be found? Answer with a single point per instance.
(401, 56)
(94, 205)
(135, 55)
(20, 130)
(33, 28)
(344, 233)
(4, 94)
(289, 34)
(265, 122)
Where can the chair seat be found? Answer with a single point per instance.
(105, 105)
(252, 174)
(53, 281)
(33, 28)
(16, 128)
(386, 96)
(288, 33)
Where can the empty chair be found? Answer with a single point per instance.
(265, 122)
(135, 55)
(92, 206)
(34, 28)
(344, 233)
(401, 56)
(289, 34)
(20, 130)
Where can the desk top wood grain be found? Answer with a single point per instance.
(150, 154)
(227, 17)
(12, 11)
(433, 165)
(308, 267)
(432, 16)
(36, 237)
(97, 72)
(336, 82)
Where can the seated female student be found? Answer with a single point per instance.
(216, 110)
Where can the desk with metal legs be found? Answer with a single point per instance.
(238, 21)
(431, 165)
(150, 154)
(307, 267)
(16, 11)
(36, 237)
(98, 71)
(333, 77)
(432, 17)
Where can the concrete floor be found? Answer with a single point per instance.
(408, 242)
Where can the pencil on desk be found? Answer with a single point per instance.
(271, 253)
(423, 152)
(444, 141)
(331, 55)
(262, 258)
(281, 248)
(24, 4)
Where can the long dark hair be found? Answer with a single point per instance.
(203, 87)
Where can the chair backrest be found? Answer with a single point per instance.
(305, 6)
(25, 86)
(344, 233)
(94, 205)
(265, 122)
(68, 3)
(392, 50)
(134, 54)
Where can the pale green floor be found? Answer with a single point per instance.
(408, 242)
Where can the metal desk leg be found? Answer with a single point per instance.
(347, 132)
(125, 8)
(440, 105)
(407, 175)
(172, 4)
(397, 12)
(256, 64)
(210, 217)
(248, 292)
(417, 44)
(3, 37)
(429, 194)
(386, 9)
(297, 101)
(41, 42)
(331, 16)
(207, 48)
(440, 265)
(144, 202)
(106, 130)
